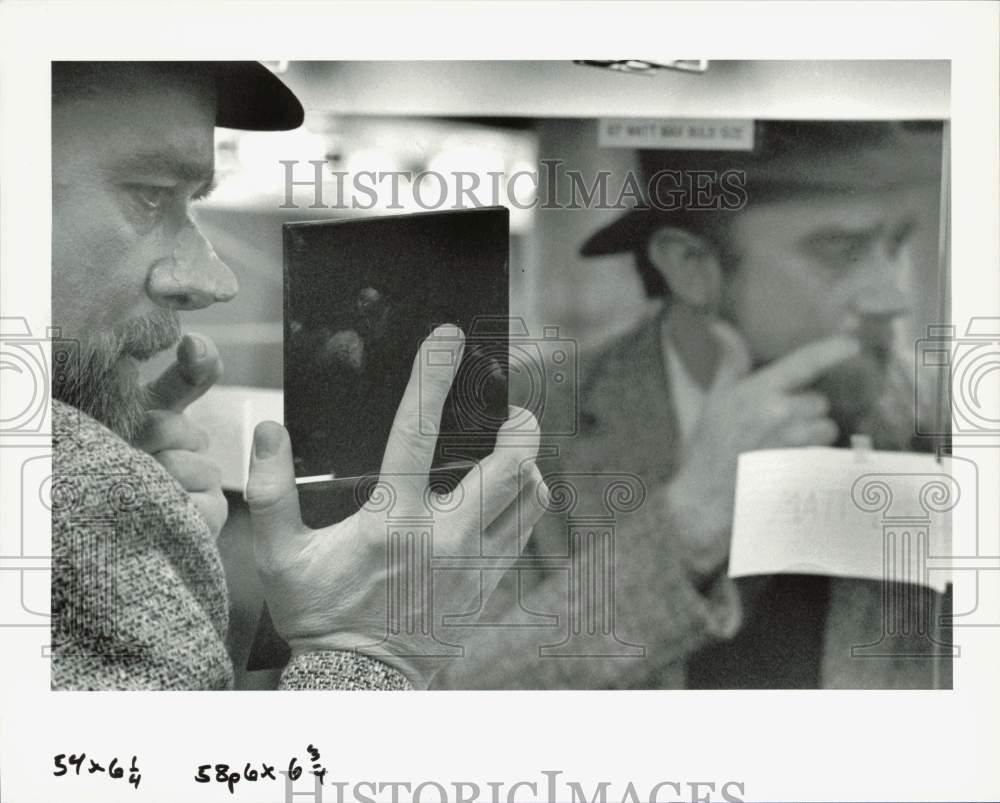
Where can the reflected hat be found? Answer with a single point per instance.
(788, 158)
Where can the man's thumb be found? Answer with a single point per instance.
(734, 357)
(271, 494)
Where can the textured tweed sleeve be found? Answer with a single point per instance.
(345, 671)
(138, 590)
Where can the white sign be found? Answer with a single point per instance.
(676, 134)
(844, 513)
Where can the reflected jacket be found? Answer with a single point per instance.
(636, 619)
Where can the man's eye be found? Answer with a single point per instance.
(841, 252)
(900, 240)
(151, 197)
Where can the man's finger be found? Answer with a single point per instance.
(808, 363)
(816, 432)
(271, 493)
(515, 523)
(163, 429)
(410, 450)
(496, 481)
(807, 405)
(193, 471)
(734, 356)
(197, 368)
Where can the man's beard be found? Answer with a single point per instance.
(102, 379)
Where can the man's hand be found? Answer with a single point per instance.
(329, 589)
(173, 440)
(767, 409)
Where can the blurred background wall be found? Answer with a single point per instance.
(507, 116)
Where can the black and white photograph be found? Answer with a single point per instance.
(642, 390)
(779, 272)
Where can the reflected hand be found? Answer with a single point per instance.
(766, 409)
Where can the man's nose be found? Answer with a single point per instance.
(885, 296)
(882, 302)
(192, 276)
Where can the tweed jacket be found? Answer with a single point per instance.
(138, 593)
(628, 428)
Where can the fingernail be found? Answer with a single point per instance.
(446, 330)
(445, 346)
(200, 349)
(193, 348)
(517, 421)
(266, 441)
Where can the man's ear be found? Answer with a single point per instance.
(689, 266)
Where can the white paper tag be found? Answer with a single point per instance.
(867, 514)
(676, 134)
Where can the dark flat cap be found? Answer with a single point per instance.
(248, 95)
(789, 158)
(253, 98)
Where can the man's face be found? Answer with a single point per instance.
(824, 265)
(127, 162)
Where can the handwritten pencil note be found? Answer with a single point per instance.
(847, 513)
